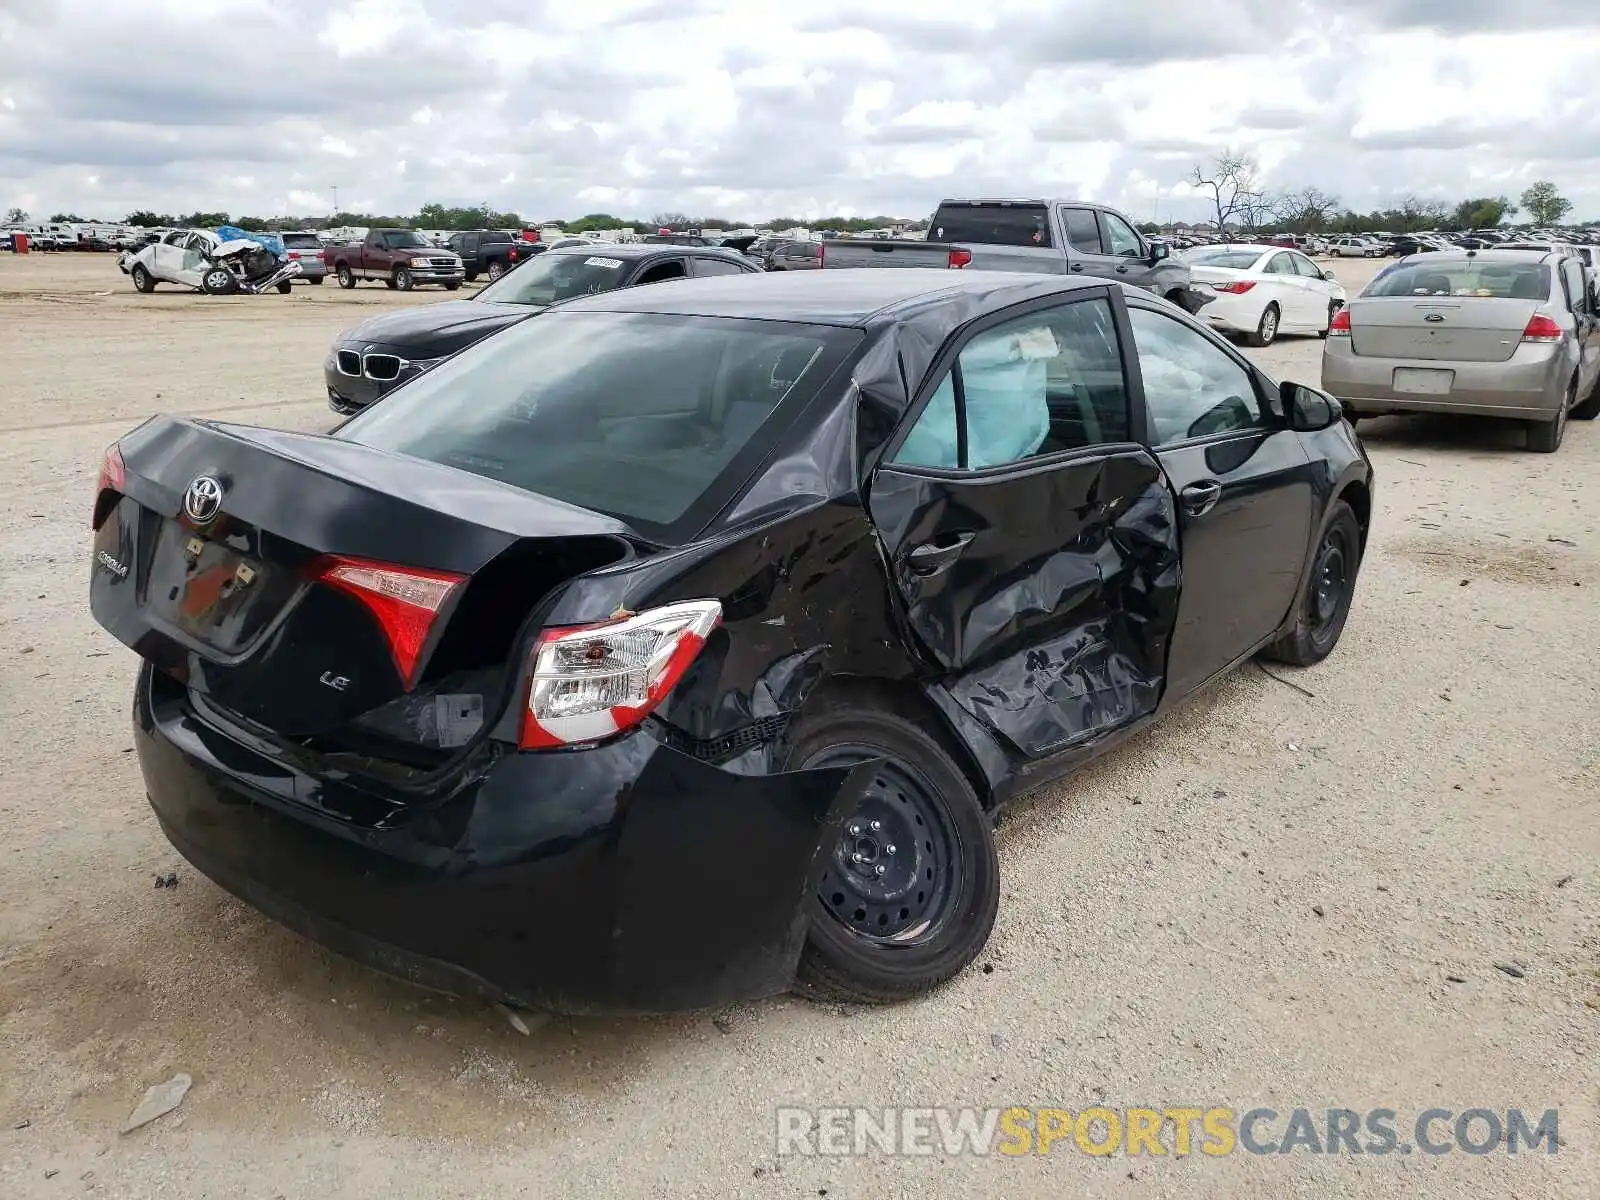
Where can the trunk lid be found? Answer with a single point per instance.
(1452, 329)
(291, 590)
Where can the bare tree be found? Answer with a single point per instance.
(1306, 210)
(1231, 180)
(1417, 213)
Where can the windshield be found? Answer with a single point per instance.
(637, 415)
(555, 276)
(1466, 277)
(404, 239)
(1233, 257)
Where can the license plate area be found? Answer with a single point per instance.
(213, 589)
(1423, 381)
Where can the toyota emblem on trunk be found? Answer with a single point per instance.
(203, 499)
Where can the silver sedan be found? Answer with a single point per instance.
(1499, 333)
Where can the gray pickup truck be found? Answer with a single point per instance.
(1049, 237)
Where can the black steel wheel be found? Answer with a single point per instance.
(908, 886)
(1329, 589)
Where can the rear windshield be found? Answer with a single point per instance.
(637, 415)
(301, 241)
(995, 224)
(1469, 277)
(558, 275)
(1224, 256)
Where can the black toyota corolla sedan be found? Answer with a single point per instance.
(375, 357)
(680, 645)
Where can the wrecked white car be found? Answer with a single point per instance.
(201, 259)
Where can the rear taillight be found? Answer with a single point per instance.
(593, 681)
(1340, 325)
(1541, 329)
(822, 250)
(959, 258)
(113, 478)
(322, 256)
(512, 255)
(1237, 288)
(294, 255)
(406, 600)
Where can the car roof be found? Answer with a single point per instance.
(632, 250)
(845, 298)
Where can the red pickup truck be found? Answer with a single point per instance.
(402, 258)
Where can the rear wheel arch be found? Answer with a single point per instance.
(910, 703)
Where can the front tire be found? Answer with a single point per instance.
(219, 281)
(911, 883)
(453, 286)
(1267, 330)
(345, 276)
(143, 281)
(285, 287)
(403, 280)
(1324, 603)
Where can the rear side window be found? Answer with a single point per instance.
(1083, 231)
(717, 266)
(1048, 381)
(994, 224)
(638, 415)
(1465, 278)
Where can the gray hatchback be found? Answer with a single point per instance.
(1498, 333)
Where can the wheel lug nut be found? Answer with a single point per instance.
(856, 857)
(881, 868)
(875, 826)
(889, 849)
(855, 831)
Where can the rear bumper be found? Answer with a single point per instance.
(1234, 313)
(1530, 386)
(628, 877)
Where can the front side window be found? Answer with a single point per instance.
(1192, 387)
(1124, 241)
(633, 414)
(1306, 267)
(1041, 383)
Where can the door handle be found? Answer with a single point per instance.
(1122, 270)
(1200, 498)
(932, 557)
(1077, 266)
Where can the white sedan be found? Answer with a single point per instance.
(1263, 291)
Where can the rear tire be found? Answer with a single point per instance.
(496, 271)
(346, 277)
(285, 287)
(472, 276)
(937, 894)
(1545, 437)
(1267, 331)
(317, 279)
(1590, 408)
(1324, 602)
(143, 281)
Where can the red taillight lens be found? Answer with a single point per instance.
(295, 255)
(1340, 325)
(959, 258)
(512, 255)
(1541, 329)
(822, 251)
(406, 601)
(594, 681)
(322, 256)
(113, 478)
(1237, 288)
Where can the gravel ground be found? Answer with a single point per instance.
(1273, 898)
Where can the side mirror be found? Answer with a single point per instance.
(1329, 275)
(1306, 409)
(1159, 251)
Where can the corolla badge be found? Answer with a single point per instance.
(203, 500)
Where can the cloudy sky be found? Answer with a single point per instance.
(852, 107)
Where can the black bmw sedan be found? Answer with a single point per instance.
(681, 645)
(373, 358)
